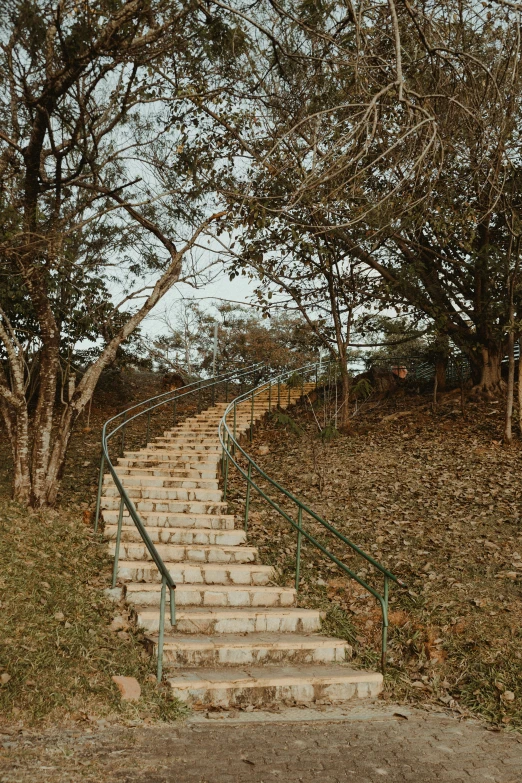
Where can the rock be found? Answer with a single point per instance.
(119, 623)
(59, 616)
(4, 678)
(262, 450)
(129, 687)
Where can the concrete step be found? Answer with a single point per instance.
(173, 448)
(238, 620)
(195, 553)
(165, 493)
(196, 573)
(258, 686)
(169, 506)
(252, 650)
(163, 482)
(178, 535)
(212, 595)
(170, 520)
(168, 472)
(182, 462)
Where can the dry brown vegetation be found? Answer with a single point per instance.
(434, 497)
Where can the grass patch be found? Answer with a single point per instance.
(57, 649)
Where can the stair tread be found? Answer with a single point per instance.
(235, 611)
(253, 640)
(241, 567)
(250, 676)
(131, 587)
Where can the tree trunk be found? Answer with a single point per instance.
(344, 411)
(520, 382)
(490, 383)
(508, 432)
(440, 373)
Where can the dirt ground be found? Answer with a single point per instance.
(375, 747)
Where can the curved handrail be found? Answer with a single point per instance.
(230, 446)
(149, 405)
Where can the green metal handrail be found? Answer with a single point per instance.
(230, 447)
(149, 405)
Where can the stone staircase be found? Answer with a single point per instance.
(239, 638)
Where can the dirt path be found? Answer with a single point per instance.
(375, 746)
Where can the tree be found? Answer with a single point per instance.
(95, 225)
(280, 342)
(393, 129)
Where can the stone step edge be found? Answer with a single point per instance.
(254, 677)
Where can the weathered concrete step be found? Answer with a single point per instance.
(237, 620)
(254, 649)
(169, 520)
(170, 506)
(174, 448)
(197, 573)
(201, 439)
(165, 493)
(178, 535)
(260, 686)
(195, 553)
(169, 459)
(166, 482)
(181, 463)
(213, 595)
(170, 472)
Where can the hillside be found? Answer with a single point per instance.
(436, 499)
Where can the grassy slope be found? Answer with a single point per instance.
(436, 499)
(56, 643)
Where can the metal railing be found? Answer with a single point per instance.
(273, 391)
(202, 391)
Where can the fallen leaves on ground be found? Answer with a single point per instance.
(435, 498)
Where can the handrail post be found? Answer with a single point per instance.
(225, 483)
(235, 420)
(298, 551)
(252, 418)
(247, 499)
(100, 489)
(161, 627)
(384, 625)
(172, 606)
(117, 546)
(147, 436)
(122, 447)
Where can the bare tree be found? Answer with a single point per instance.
(100, 191)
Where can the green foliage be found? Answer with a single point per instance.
(329, 433)
(362, 388)
(287, 421)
